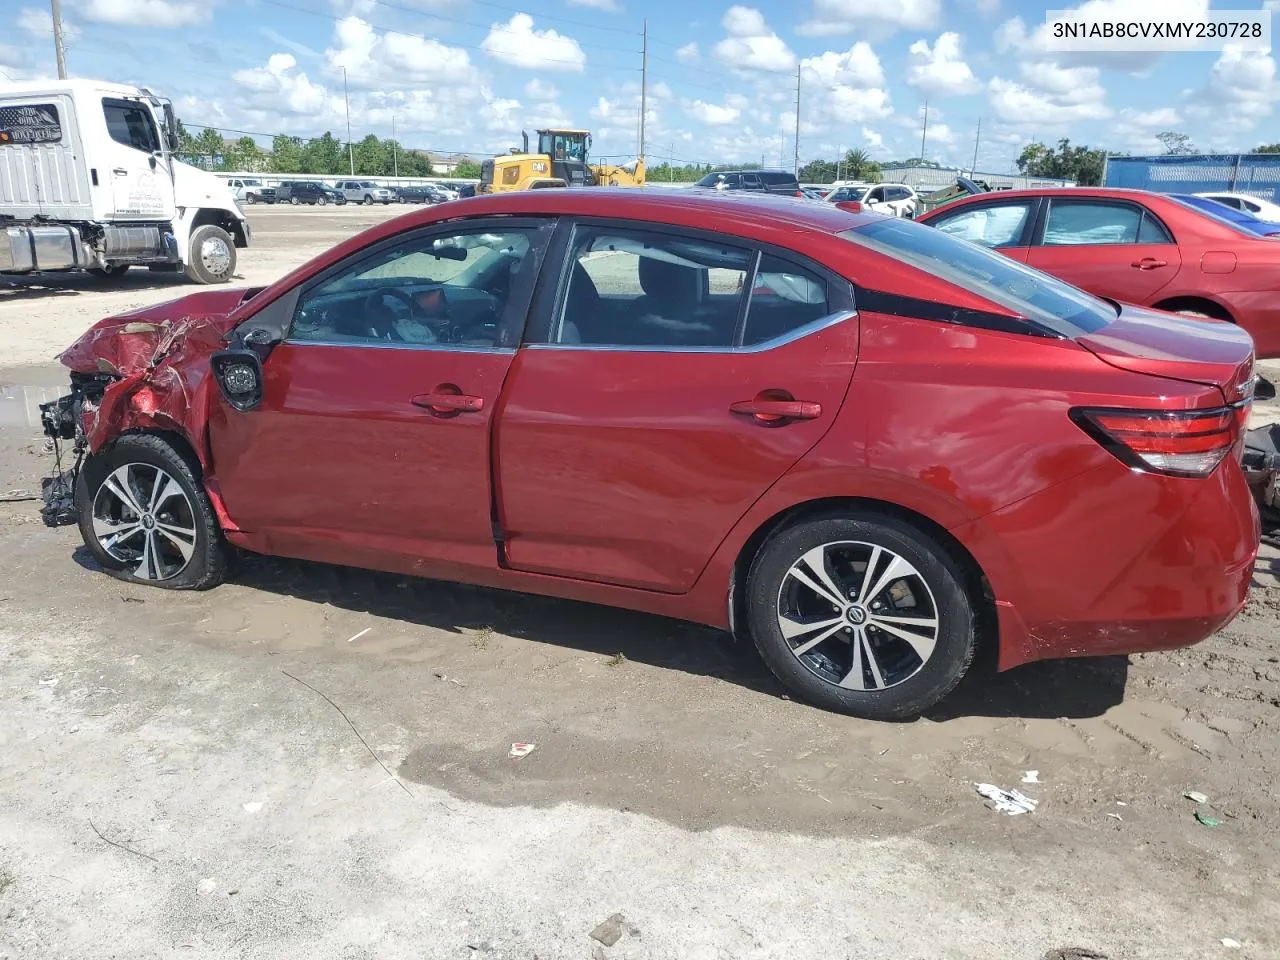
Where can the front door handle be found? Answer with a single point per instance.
(765, 409)
(120, 172)
(1149, 263)
(445, 403)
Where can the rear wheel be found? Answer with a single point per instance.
(368, 200)
(321, 201)
(865, 615)
(147, 519)
(212, 257)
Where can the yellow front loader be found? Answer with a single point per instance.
(561, 160)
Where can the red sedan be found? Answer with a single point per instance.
(863, 443)
(1132, 246)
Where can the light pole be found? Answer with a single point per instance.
(351, 157)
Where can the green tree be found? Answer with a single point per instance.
(245, 155)
(186, 142)
(818, 171)
(373, 156)
(324, 155)
(1267, 148)
(286, 154)
(1176, 143)
(207, 149)
(1066, 162)
(467, 169)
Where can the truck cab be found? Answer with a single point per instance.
(90, 180)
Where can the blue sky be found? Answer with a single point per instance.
(468, 75)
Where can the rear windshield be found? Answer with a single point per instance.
(1040, 298)
(1205, 208)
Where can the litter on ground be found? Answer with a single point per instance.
(1011, 802)
(519, 750)
(1031, 776)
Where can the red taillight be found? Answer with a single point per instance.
(800, 193)
(1183, 443)
(853, 206)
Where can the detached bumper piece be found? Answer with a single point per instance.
(1261, 463)
(60, 422)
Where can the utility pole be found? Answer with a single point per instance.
(671, 160)
(924, 130)
(395, 154)
(351, 157)
(644, 83)
(796, 157)
(976, 137)
(58, 46)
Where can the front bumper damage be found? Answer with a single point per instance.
(63, 423)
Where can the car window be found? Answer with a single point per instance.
(784, 296)
(130, 124)
(751, 181)
(1047, 301)
(1152, 230)
(429, 289)
(993, 225)
(637, 288)
(876, 195)
(1076, 223)
(1251, 206)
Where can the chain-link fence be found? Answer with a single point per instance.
(1257, 174)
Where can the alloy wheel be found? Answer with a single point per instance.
(143, 519)
(858, 615)
(215, 255)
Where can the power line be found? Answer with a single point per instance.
(547, 16)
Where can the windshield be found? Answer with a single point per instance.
(1040, 298)
(1237, 220)
(710, 180)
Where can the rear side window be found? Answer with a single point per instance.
(1046, 301)
(992, 225)
(130, 124)
(784, 297)
(30, 123)
(633, 288)
(1076, 223)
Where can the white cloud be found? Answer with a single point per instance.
(712, 113)
(689, 52)
(751, 45)
(39, 24)
(517, 43)
(858, 67)
(873, 140)
(941, 70)
(612, 6)
(374, 59)
(985, 7)
(856, 104)
(281, 84)
(1017, 103)
(877, 17)
(1242, 89)
(147, 13)
(537, 89)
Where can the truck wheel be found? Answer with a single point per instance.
(113, 272)
(368, 200)
(212, 257)
(145, 516)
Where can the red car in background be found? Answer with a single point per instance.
(1132, 246)
(865, 444)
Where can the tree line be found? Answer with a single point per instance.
(322, 156)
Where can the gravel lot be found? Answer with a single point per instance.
(173, 788)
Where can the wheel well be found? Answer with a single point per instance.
(181, 445)
(223, 219)
(1198, 304)
(986, 624)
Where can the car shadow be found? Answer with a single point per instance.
(1074, 689)
(43, 286)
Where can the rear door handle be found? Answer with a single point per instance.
(120, 172)
(446, 404)
(768, 410)
(1149, 263)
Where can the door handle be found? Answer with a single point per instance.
(444, 403)
(766, 409)
(120, 172)
(1149, 263)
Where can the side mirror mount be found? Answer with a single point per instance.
(239, 375)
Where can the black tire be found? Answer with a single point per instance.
(321, 201)
(943, 590)
(215, 263)
(114, 272)
(368, 200)
(250, 198)
(295, 201)
(207, 565)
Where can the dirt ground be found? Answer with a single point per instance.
(312, 762)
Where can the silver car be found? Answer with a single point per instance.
(251, 190)
(364, 191)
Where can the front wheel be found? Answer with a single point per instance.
(295, 201)
(146, 518)
(251, 198)
(368, 200)
(865, 615)
(212, 256)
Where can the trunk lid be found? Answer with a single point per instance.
(1191, 349)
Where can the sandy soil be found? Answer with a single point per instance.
(672, 782)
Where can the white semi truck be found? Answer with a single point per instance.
(89, 180)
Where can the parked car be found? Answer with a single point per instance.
(308, 191)
(763, 181)
(364, 191)
(1132, 246)
(464, 190)
(249, 190)
(424, 193)
(1262, 209)
(1013, 461)
(894, 199)
(1247, 221)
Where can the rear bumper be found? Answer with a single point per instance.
(1118, 561)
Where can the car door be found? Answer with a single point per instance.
(141, 185)
(672, 376)
(372, 438)
(1112, 248)
(1003, 225)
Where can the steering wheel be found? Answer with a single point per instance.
(413, 319)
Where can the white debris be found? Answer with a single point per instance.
(48, 681)
(1230, 944)
(1011, 802)
(1195, 796)
(519, 750)
(1031, 776)
(206, 886)
(253, 806)
(359, 635)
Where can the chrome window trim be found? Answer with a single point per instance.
(813, 326)
(392, 345)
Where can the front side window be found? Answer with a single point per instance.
(1076, 223)
(637, 288)
(996, 225)
(430, 289)
(1046, 301)
(784, 297)
(130, 124)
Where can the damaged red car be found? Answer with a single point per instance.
(867, 445)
